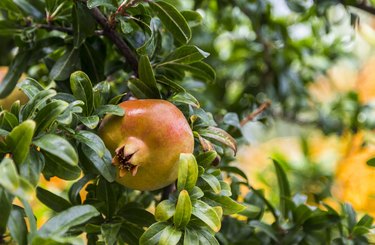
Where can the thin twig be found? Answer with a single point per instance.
(255, 113)
(116, 38)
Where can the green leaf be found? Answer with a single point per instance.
(212, 181)
(173, 20)
(350, 215)
(183, 210)
(82, 89)
(29, 8)
(102, 164)
(219, 135)
(48, 114)
(6, 200)
(207, 214)
(205, 159)
(9, 28)
(168, 82)
(190, 237)
(18, 66)
(91, 140)
(57, 167)
(36, 102)
(265, 228)
(75, 189)
(65, 65)
(366, 221)
(229, 205)
(187, 172)
(17, 226)
(165, 210)
(97, 3)
(196, 193)
(19, 140)
(141, 90)
(170, 236)
(152, 234)
(58, 147)
(199, 70)
(192, 17)
(234, 170)
(185, 98)
(51, 200)
(61, 223)
(91, 122)
(110, 109)
(206, 238)
(138, 216)
(12, 182)
(106, 194)
(84, 24)
(186, 54)
(301, 214)
(371, 162)
(110, 232)
(146, 74)
(7, 120)
(283, 187)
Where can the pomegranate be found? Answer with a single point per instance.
(146, 143)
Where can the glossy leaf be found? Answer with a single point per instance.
(186, 54)
(91, 140)
(102, 164)
(61, 223)
(65, 65)
(283, 187)
(170, 236)
(58, 147)
(12, 182)
(186, 98)
(219, 135)
(187, 172)
(146, 74)
(173, 20)
(183, 210)
(17, 226)
(19, 140)
(190, 237)
(207, 214)
(6, 200)
(52, 200)
(141, 90)
(83, 23)
(165, 210)
(212, 181)
(152, 234)
(110, 232)
(110, 109)
(48, 114)
(229, 205)
(82, 89)
(75, 189)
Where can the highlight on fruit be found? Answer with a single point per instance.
(146, 143)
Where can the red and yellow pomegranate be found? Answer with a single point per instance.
(146, 143)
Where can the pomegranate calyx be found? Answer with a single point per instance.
(123, 161)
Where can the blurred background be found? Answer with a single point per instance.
(308, 67)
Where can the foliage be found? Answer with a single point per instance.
(84, 57)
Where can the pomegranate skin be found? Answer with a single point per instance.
(146, 143)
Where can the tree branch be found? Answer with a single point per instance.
(116, 38)
(364, 7)
(255, 113)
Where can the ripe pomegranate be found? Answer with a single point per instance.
(146, 143)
